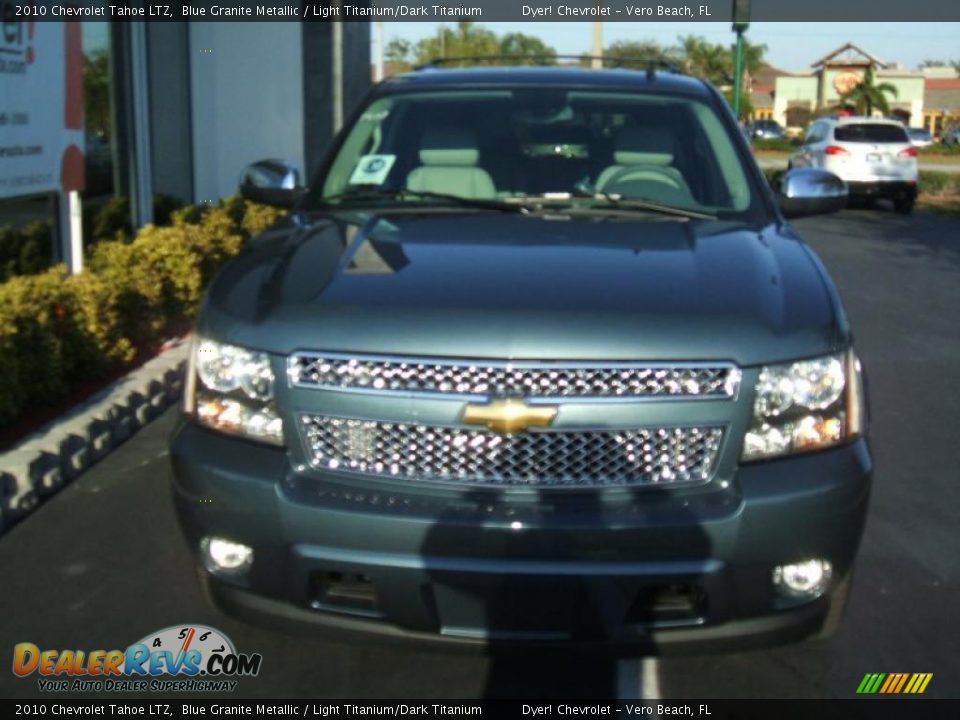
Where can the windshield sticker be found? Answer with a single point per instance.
(372, 169)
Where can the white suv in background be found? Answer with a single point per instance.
(874, 156)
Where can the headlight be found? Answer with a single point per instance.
(230, 389)
(806, 405)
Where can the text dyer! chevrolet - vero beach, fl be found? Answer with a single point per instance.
(535, 358)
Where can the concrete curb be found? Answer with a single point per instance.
(53, 456)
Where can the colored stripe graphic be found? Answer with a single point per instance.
(894, 683)
(903, 680)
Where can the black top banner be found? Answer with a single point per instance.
(481, 10)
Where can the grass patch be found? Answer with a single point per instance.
(948, 205)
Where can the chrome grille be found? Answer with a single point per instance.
(561, 458)
(518, 379)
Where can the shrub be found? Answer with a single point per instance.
(26, 249)
(940, 149)
(58, 330)
(935, 182)
(777, 145)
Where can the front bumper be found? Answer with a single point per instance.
(659, 570)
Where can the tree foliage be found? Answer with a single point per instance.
(693, 54)
(868, 95)
(521, 45)
(955, 64)
(637, 54)
(467, 40)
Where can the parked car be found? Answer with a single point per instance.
(919, 137)
(874, 156)
(765, 130)
(535, 358)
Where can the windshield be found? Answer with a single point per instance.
(538, 142)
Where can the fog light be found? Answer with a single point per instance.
(804, 579)
(226, 556)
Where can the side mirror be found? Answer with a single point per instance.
(272, 182)
(811, 191)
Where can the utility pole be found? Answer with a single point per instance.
(741, 21)
(597, 62)
(378, 41)
(337, 72)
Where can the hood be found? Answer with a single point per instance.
(515, 286)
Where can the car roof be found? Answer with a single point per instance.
(861, 119)
(562, 76)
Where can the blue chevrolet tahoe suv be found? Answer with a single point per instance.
(535, 358)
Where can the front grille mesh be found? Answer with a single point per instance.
(567, 458)
(423, 375)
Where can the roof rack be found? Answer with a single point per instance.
(651, 66)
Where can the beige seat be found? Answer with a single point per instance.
(448, 159)
(643, 157)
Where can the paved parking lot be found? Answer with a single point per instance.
(103, 564)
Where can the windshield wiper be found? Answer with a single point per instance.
(619, 201)
(401, 193)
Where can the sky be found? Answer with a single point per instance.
(790, 46)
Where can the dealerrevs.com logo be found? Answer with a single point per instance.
(187, 658)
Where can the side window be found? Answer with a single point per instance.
(814, 134)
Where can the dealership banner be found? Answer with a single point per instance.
(41, 106)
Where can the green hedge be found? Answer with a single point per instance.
(936, 182)
(28, 249)
(777, 145)
(58, 330)
(940, 149)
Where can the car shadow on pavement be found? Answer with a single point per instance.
(548, 635)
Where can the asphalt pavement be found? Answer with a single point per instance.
(103, 564)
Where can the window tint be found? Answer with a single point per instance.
(870, 133)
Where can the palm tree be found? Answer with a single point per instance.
(867, 96)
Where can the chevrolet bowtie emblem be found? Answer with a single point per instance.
(509, 416)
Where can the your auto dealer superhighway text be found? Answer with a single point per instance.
(629, 11)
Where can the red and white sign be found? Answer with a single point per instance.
(41, 108)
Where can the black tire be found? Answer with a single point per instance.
(904, 206)
(837, 605)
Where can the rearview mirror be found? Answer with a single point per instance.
(811, 191)
(272, 182)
